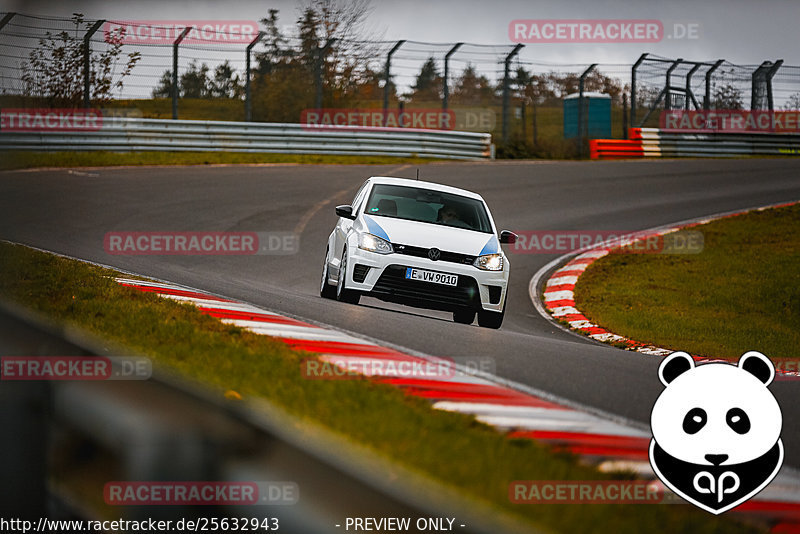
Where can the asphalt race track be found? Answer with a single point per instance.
(70, 211)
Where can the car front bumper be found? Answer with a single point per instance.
(385, 279)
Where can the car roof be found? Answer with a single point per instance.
(391, 180)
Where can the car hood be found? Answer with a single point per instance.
(427, 235)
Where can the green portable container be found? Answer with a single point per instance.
(596, 109)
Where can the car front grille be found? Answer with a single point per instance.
(393, 286)
(422, 252)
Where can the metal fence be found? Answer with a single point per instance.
(512, 81)
(396, 63)
(136, 135)
(669, 84)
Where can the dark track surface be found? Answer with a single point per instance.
(70, 211)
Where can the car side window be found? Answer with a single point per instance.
(359, 198)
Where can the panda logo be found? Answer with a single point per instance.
(716, 430)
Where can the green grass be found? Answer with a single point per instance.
(453, 448)
(201, 109)
(27, 160)
(216, 109)
(739, 294)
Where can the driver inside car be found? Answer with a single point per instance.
(449, 215)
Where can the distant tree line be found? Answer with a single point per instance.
(283, 76)
(197, 83)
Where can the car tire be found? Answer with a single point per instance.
(464, 316)
(326, 290)
(492, 319)
(342, 293)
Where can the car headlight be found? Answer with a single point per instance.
(489, 262)
(374, 243)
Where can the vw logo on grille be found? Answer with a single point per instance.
(434, 254)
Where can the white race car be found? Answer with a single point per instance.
(420, 244)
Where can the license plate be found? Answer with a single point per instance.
(431, 276)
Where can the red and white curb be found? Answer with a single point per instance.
(610, 445)
(559, 297)
(454, 390)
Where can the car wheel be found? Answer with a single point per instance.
(491, 319)
(464, 316)
(326, 290)
(342, 293)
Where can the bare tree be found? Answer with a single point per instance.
(54, 70)
(728, 96)
(284, 81)
(346, 22)
(793, 103)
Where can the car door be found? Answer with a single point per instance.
(344, 226)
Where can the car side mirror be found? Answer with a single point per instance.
(508, 237)
(345, 211)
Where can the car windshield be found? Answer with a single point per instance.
(428, 206)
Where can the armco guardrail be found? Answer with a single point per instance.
(134, 134)
(653, 142)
